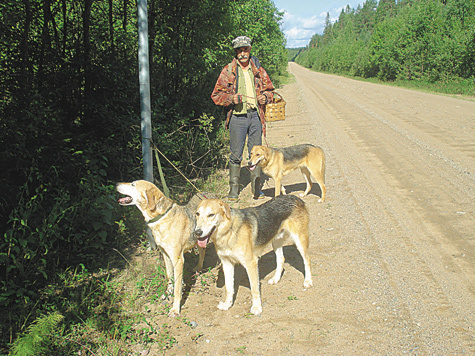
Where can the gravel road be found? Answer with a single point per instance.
(392, 248)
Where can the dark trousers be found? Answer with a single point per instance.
(241, 126)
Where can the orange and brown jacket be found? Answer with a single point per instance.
(225, 89)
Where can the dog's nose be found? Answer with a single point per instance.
(249, 163)
(198, 232)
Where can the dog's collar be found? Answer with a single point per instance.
(158, 217)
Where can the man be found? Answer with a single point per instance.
(243, 88)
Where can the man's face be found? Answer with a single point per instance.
(243, 54)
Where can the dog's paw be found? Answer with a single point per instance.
(307, 283)
(273, 281)
(256, 310)
(224, 306)
(321, 200)
(302, 195)
(170, 288)
(174, 312)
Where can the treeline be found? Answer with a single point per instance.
(70, 120)
(426, 40)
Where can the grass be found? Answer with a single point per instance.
(461, 88)
(110, 310)
(99, 313)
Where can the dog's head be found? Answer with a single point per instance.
(144, 195)
(210, 214)
(259, 157)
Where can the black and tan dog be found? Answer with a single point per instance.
(172, 227)
(241, 235)
(278, 162)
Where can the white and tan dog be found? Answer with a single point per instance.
(172, 227)
(278, 162)
(241, 235)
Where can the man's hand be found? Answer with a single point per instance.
(262, 99)
(237, 98)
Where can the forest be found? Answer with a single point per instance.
(70, 129)
(417, 41)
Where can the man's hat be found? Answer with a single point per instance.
(241, 41)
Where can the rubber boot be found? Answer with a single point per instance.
(234, 172)
(256, 183)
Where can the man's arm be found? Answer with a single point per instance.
(267, 87)
(223, 90)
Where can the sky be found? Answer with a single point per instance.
(304, 18)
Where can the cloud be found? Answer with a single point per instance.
(299, 30)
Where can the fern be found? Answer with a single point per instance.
(38, 336)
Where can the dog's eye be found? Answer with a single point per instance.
(211, 215)
(197, 214)
(133, 184)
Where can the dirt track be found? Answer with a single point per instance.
(392, 248)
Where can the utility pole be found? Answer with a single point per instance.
(144, 81)
(145, 106)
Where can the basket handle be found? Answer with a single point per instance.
(274, 100)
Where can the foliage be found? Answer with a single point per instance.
(428, 41)
(37, 340)
(268, 43)
(69, 126)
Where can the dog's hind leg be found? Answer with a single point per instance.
(320, 179)
(300, 239)
(277, 244)
(306, 174)
(201, 258)
(228, 270)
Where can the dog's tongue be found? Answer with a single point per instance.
(125, 200)
(203, 243)
(252, 167)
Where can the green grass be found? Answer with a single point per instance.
(462, 88)
(104, 310)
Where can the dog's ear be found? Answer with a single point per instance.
(152, 198)
(226, 209)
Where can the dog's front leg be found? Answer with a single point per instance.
(169, 268)
(279, 188)
(178, 280)
(228, 270)
(253, 274)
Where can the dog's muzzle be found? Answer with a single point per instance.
(203, 240)
(251, 166)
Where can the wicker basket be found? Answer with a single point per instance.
(275, 110)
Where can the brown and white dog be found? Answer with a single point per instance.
(172, 228)
(241, 235)
(278, 162)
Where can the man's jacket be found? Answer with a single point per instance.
(226, 87)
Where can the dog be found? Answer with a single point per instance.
(172, 228)
(278, 162)
(241, 236)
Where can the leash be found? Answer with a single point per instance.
(176, 168)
